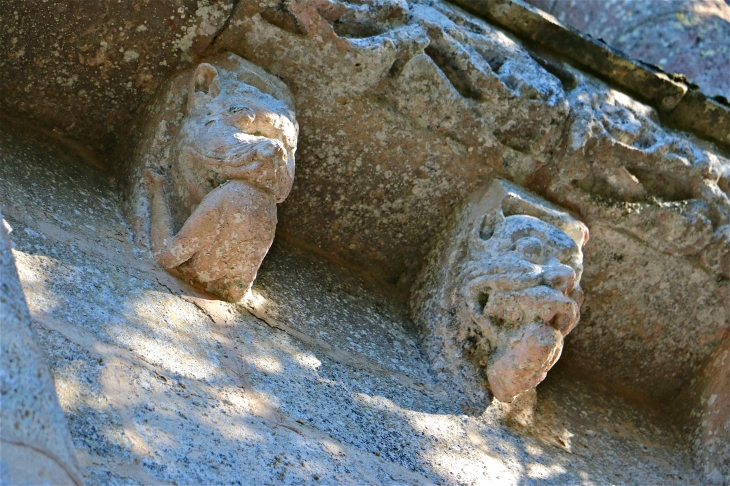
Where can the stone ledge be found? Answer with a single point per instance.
(680, 103)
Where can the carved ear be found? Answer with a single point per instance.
(204, 85)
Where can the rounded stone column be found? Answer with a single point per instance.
(35, 445)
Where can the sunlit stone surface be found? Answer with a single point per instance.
(327, 384)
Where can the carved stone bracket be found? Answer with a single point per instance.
(215, 156)
(500, 291)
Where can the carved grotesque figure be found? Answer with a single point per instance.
(213, 189)
(671, 192)
(502, 292)
(520, 289)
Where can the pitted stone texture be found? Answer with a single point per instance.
(617, 151)
(588, 432)
(500, 292)
(679, 36)
(292, 288)
(406, 109)
(708, 430)
(35, 446)
(163, 385)
(84, 69)
(215, 155)
(670, 191)
(657, 205)
(715, 256)
(666, 189)
(650, 319)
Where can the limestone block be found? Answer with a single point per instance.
(657, 204)
(215, 156)
(83, 70)
(482, 75)
(34, 440)
(708, 429)
(500, 292)
(410, 107)
(619, 166)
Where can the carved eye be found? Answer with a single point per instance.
(531, 248)
(489, 224)
(242, 116)
(242, 109)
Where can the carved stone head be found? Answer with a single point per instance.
(506, 286)
(233, 129)
(225, 119)
(520, 290)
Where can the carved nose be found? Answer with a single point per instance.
(559, 277)
(272, 150)
(279, 152)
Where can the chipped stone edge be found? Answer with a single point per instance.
(680, 103)
(58, 449)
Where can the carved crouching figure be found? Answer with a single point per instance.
(231, 162)
(500, 293)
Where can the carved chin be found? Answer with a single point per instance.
(524, 360)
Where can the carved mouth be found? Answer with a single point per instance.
(538, 304)
(525, 327)
(242, 154)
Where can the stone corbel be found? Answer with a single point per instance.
(500, 291)
(215, 156)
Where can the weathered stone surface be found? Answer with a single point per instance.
(616, 150)
(500, 291)
(161, 384)
(679, 101)
(408, 109)
(657, 207)
(84, 69)
(709, 428)
(650, 84)
(214, 157)
(35, 444)
(708, 117)
(679, 36)
(682, 36)
(715, 256)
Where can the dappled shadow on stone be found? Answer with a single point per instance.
(329, 386)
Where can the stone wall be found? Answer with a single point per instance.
(406, 111)
(709, 428)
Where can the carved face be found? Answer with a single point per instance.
(235, 134)
(520, 287)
